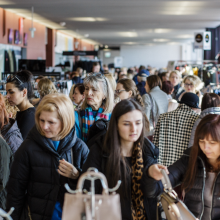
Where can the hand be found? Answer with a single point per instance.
(154, 171)
(68, 170)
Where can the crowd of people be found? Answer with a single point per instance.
(153, 121)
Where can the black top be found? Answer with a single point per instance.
(25, 120)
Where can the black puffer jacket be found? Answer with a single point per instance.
(34, 180)
(98, 159)
(194, 199)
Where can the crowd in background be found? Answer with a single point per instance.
(128, 124)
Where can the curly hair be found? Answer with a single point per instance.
(45, 87)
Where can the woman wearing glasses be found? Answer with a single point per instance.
(98, 103)
(19, 91)
(192, 84)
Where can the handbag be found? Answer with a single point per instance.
(173, 207)
(90, 206)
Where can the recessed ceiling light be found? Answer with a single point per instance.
(128, 34)
(162, 30)
(106, 46)
(184, 36)
(62, 24)
(87, 19)
(130, 43)
(2, 2)
(86, 35)
(160, 40)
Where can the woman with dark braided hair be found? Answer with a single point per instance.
(19, 91)
(126, 88)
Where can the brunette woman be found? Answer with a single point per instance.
(124, 154)
(19, 90)
(197, 170)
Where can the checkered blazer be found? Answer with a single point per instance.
(173, 132)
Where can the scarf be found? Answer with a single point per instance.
(137, 197)
(88, 119)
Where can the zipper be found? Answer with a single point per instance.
(213, 196)
(203, 189)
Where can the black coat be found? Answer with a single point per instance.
(194, 199)
(98, 159)
(34, 180)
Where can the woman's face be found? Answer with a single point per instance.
(120, 91)
(174, 79)
(77, 96)
(210, 148)
(50, 124)
(94, 97)
(189, 87)
(130, 126)
(147, 88)
(166, 77)
(14, 95)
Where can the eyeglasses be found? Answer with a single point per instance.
(119, 91)
(190, 85)
(11, 78)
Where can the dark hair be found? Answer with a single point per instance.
(22, 80)
(129, 85)
(112, 146)
(80, 87)
(210, 100)
(154, 81)
(167, 87)
(96, 64)
(162, 75)
(209, 125)
(141, 68)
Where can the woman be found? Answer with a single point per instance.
(168, 88)
(77, 95)
(210, 105)
(155, 102)
(197, 170)
(19, 90)
(126, 88)
(51, 156)
(98, 103)
(175, 78)
(45, 87)
(9, 128)
(124, 154)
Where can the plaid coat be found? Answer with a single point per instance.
(173, 132)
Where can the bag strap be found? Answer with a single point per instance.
(166, 181)
(152, 106)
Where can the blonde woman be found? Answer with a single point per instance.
(192, 84)
(51, 156)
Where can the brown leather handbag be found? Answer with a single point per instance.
(173, 207)
(90, 206)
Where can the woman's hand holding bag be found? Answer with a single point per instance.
(68, 170)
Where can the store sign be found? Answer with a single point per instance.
(207, 40)
(198, 41)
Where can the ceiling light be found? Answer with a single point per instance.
(130, 43)
(87, 19)
(62, 24)
(128, 34)
(2, 2)
(160, 40)
(106, 46)
(162, 30)
(184, 36)
(86, 35)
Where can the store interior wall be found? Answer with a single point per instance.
(108, 60)
(36, 45)
(156, 56)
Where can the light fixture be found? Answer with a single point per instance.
(88, 19)
(86, 35)
(128, 34)
(32, 29)
(160, 40)
(62, 24)
(106, 46)
(162, 30)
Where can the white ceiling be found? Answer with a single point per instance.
(129, 22)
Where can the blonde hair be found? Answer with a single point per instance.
(175, 72)
(195, 80)
(61, 104)
(45, 87)
(71, 92)
(111, 80)
(94, 80)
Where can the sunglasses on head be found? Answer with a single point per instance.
(12, 78)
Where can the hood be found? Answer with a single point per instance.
(11, 127)
(212, 110)
(47, 144)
